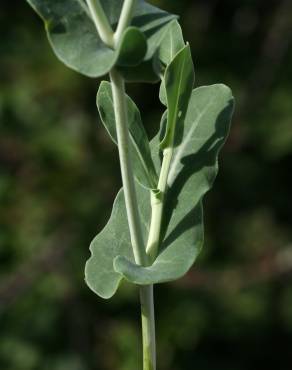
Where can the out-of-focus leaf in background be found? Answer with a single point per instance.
(59, 175)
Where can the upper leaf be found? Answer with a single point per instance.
(76, 43)
(133, 47)
(193, 171)
(178, 81)
(171, 44)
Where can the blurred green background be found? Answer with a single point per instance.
(59, 175)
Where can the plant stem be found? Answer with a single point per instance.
(148, 327)
(101, 22)
(119, 98)
(157, 205)
(141, 258)
(125, 18)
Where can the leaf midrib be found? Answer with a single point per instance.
(174, 120)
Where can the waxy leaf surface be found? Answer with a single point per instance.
(193, 171)
(75, 41)
(171, 44)
(178, 82)
(143, 165)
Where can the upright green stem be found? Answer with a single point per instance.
(146, 292)
(119, 98)
(157, 205)
(125, 18)
(101, 22)
(148, 327)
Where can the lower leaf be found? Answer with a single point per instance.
(110, 242)
(192, 173)
(175, 258)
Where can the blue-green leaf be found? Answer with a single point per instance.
(133, 48)
(178, 81)
(171, 44)
(110, 242)
(143, 165)
(75, 41)
(193, 171)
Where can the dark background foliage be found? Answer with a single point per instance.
(59, 174)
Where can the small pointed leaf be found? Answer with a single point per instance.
(172, 43)
(179, 81)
